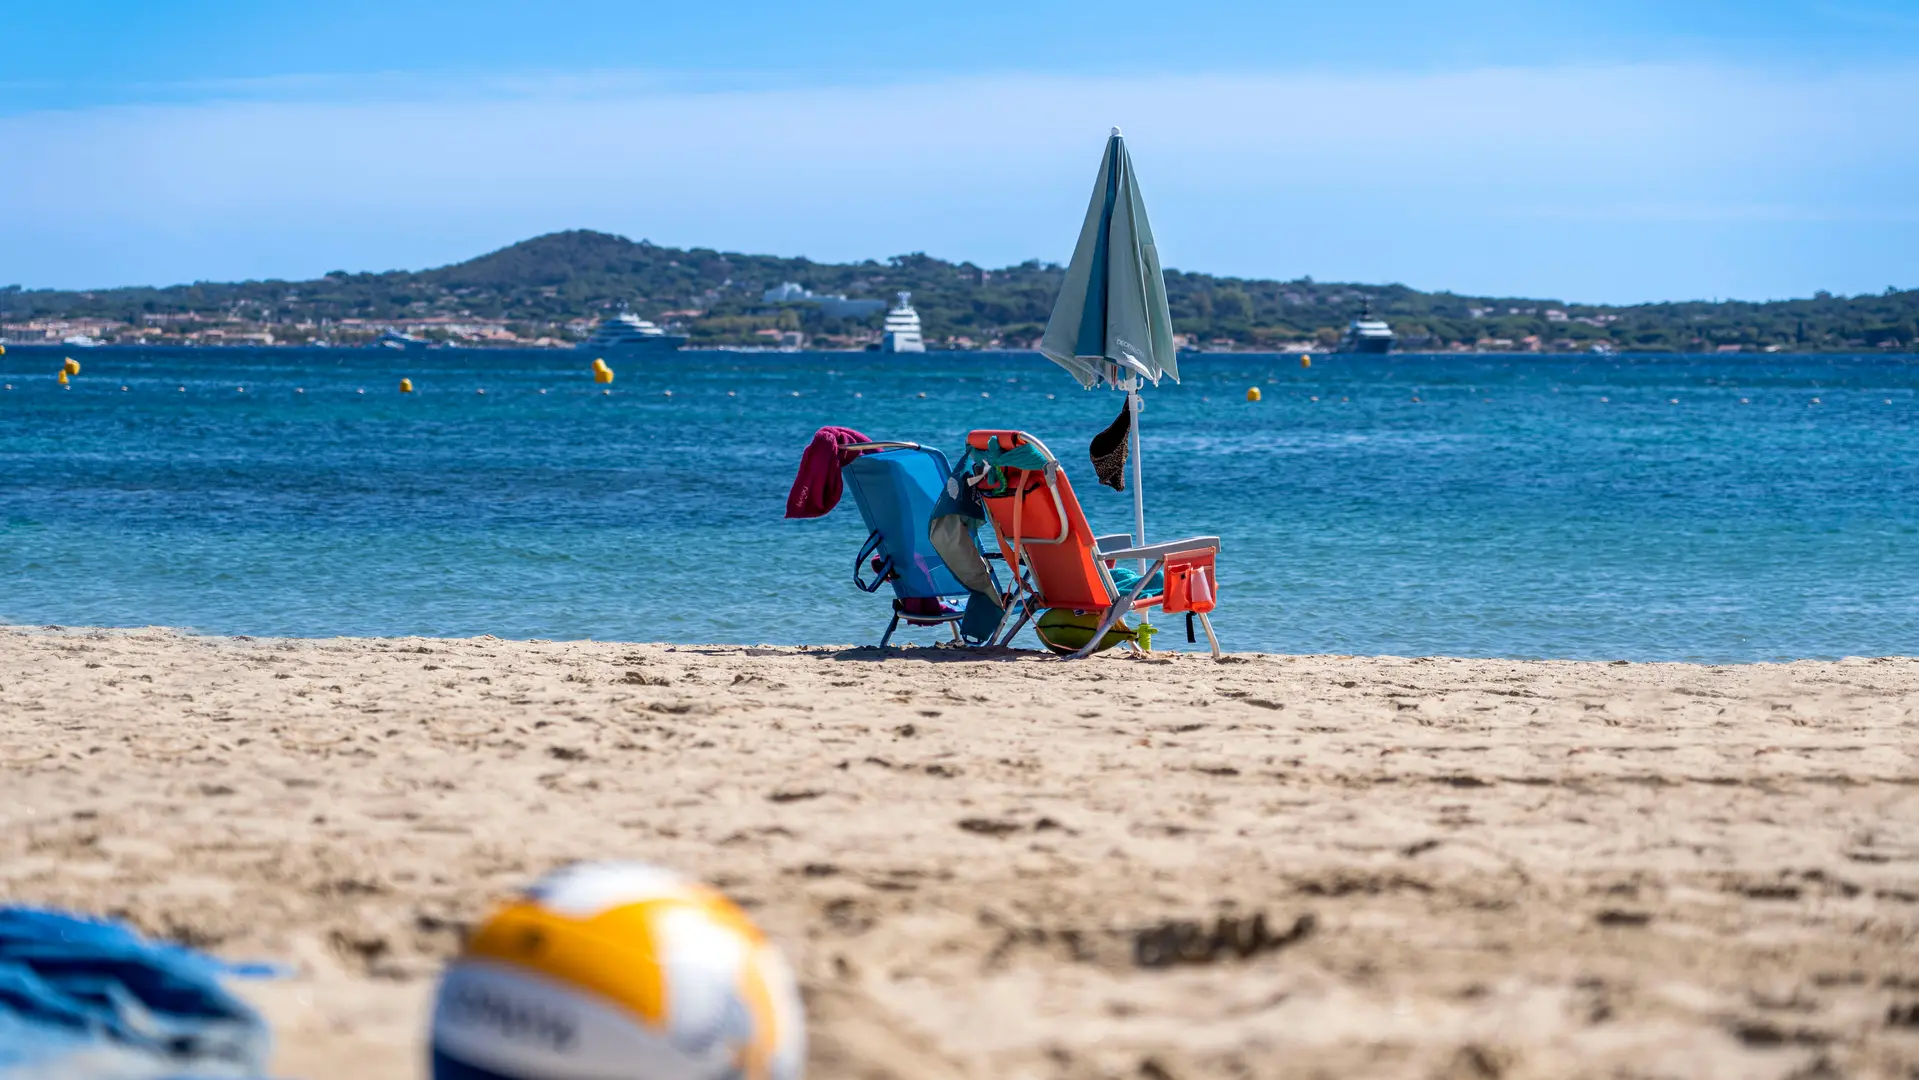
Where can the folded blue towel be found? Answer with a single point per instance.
(88, 998)
(1125, 577)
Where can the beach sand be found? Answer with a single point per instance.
(1466, 868)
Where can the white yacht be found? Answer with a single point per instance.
(1366, 334)
(81, 341)
(393, 339)
(902, 328)
(628, 333)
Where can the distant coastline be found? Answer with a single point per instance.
(1285, 351)
(550, 291)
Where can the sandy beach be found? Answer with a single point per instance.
(1459, 868)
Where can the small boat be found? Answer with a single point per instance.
(628, 333)
(1366, 334)
(393, 339)
(82, 341)
(901, 332)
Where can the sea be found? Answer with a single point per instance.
(1714, 509)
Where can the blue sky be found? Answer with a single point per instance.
(1616, 151)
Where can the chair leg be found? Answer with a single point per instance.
(1112, 616)
(1025, 614)
(993, 634)
(954, 627)
(890, 627)
(1120, 607)
(1210, 639)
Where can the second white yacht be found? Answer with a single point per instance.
(902, 328)
(1366, 334)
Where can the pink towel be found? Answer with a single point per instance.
(817, 487)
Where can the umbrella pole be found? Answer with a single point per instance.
(1139, 495)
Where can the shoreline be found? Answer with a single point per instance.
(1541, 867)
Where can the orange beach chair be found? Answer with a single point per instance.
(1056, 560)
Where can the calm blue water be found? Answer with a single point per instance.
(1511, 511)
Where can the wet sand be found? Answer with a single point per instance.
(1013, 867)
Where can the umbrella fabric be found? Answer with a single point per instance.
(1110, 321)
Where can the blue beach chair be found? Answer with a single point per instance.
(896, 488)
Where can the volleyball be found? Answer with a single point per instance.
(618, 971)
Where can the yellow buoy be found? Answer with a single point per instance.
(1305, 361)
(602, 374)
(406, 386)
(1252, 393)
(63, 376)
(3, 350)
(73, 366)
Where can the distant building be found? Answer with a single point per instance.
(833, 306)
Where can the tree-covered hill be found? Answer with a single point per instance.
(537, 287)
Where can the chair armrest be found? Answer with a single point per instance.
(1157, 551)
(1116, 540)
(880, 444)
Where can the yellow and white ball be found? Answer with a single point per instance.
(618, 971)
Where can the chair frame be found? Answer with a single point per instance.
(1106, 549)
(872, 544)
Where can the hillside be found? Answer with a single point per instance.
(550, 288)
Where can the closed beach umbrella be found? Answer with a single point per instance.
(1110, 325)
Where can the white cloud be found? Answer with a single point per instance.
(1277, 174)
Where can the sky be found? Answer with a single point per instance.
(1620, 151)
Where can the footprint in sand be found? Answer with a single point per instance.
(453, 731)
(23, 755)
(312, 735)
(161, 748)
